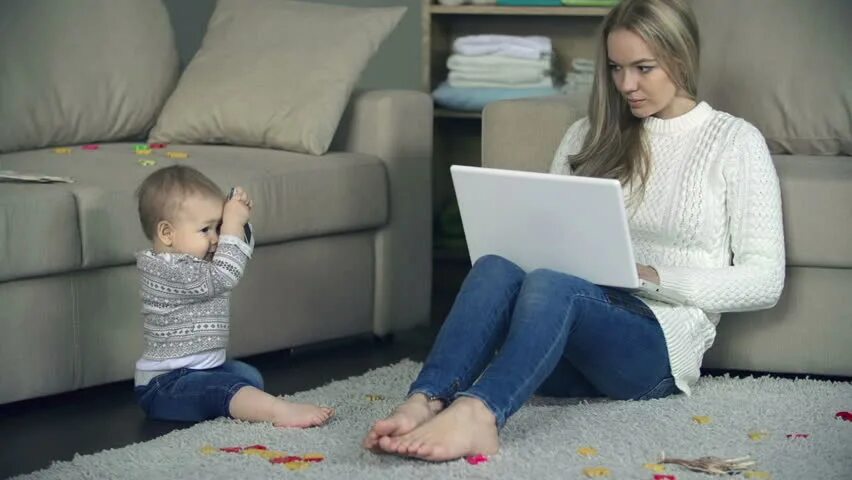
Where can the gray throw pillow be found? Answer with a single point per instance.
(273, 73)
(82, 71)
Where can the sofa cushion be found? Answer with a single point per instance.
(295, 195)
(816, 196)
(784, 66)
(39, 233)
(273, 73)
(82, 71)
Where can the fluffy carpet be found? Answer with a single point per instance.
(543, 440)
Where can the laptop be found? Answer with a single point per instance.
(574, 225)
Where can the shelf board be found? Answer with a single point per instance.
(447, 113)
(511, 10)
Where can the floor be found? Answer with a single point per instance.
(40, 431)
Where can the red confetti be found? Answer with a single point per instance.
(664, 476)
(476, 459)
(844, 416)
(232, 449)
(157, 145)
(90, 146)
(257, 447)
(798, 435)
(287, 459)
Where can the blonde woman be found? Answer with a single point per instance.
(705, 218)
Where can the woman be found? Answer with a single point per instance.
(705, 218)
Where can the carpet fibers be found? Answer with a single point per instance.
(548, 438)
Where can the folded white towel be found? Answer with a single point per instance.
(489, 63)
(534, 47)
(505, 77)
(583, 65)
(546, 82)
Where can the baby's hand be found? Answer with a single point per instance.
(236, 213)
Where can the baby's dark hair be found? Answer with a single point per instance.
(162, 193)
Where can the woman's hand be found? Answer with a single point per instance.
(648, 273)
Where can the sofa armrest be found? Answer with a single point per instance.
(396, 126)
(524, 134)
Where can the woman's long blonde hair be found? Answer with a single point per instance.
(614, 146)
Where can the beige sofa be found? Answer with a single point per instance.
(745, 73)
(343, 239)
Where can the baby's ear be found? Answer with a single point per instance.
(165, 232)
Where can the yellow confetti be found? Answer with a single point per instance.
(177, 155)
(254, 451)
(143, 152)
(146, 162)
(62, 150)
(701, 419)
(297, 465)
(587, 451)
(757, 436)
(757, 474)
(208, 450)
(375, 398)
(655, 467)
(596, 472)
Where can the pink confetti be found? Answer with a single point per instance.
(90, 146)
(664, 476)
(231, 449)
(844, 416)
(156, 146)
(798, 435)
(476, 459)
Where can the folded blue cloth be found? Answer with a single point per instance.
(474, 99)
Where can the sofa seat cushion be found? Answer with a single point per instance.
(816, 195)
(39, 232)
(296, 195)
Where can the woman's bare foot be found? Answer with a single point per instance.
(299, 415)
(405, 418)
(466, 427)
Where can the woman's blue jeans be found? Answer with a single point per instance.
(188, 395)
(511, 334)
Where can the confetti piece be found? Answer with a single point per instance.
(257, 447)
(757, 435)
(146, 162)
(231, 449)
(296, 466)
(209, 449)
(476, 459)
(144, 152)
(62, 150)
(596, 472)
(664, 476)
(90, 146)
(254, 451)
(314, 457)
(141, 146)
(798, 435)
(655, 467)
(844, 416)
(157, 146)
(375, 398)
(272, 454)
(177, 155)
(587, 451)
(757, 474)
(701, 419)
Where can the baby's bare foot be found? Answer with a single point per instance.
(405, 418)
(467, 427)
(299, 415)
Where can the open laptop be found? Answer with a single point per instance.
(574, 225)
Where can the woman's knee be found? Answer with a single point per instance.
(545, 279)
(497, 266)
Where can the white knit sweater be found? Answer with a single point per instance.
(709, 223)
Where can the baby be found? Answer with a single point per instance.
(201, 244)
